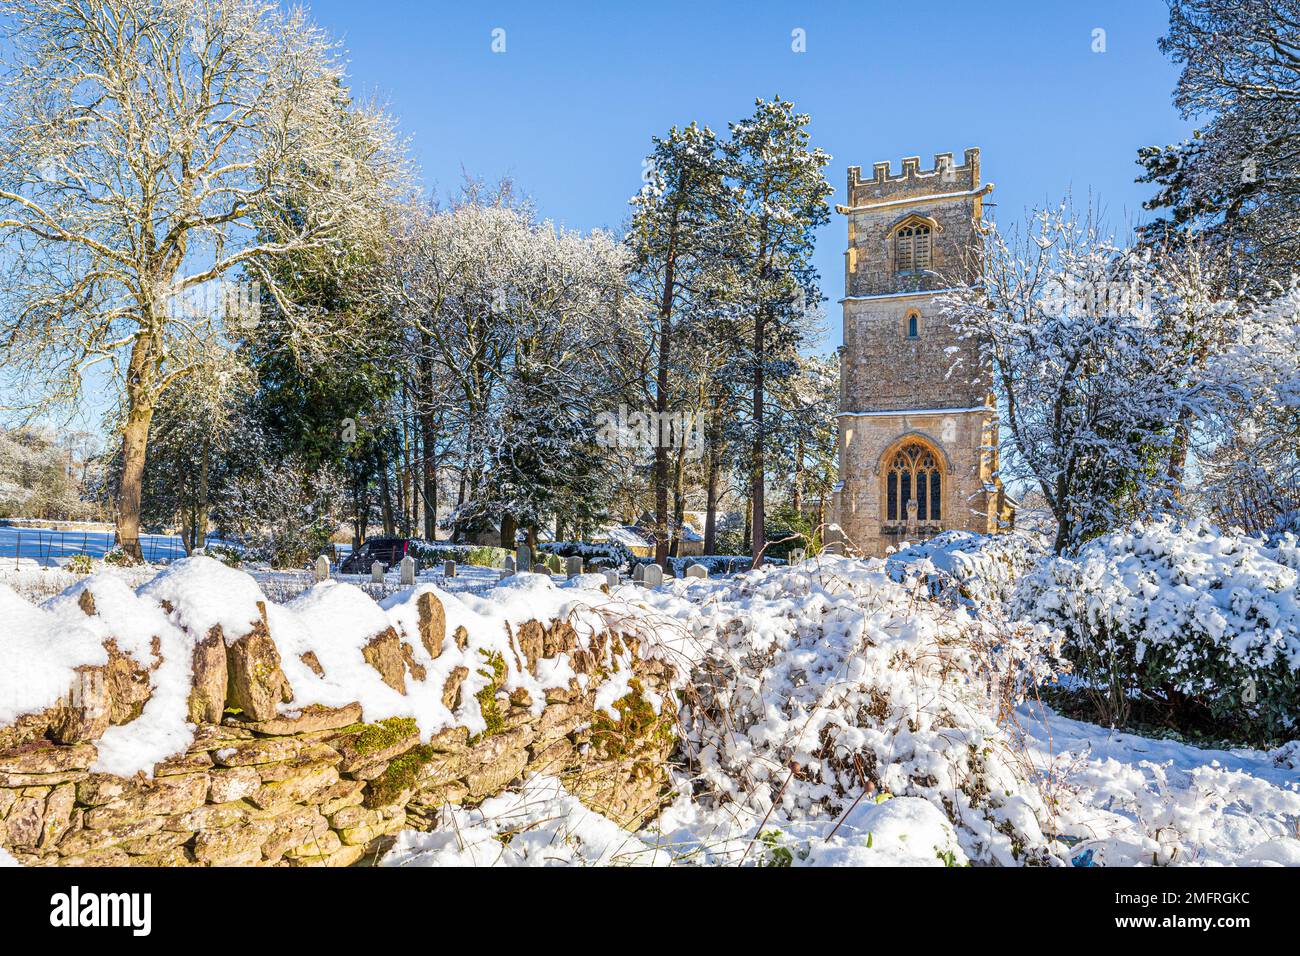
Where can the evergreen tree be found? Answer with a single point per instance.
(780, 190)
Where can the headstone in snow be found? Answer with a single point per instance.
(449, 569)
(797, 555)
(408, 570)
(322, 569)
(508, 568)
(638, 573)
(654, 576)
(523, 556)
(612, 578)
(572, 566)
(377, 572)
(697, 571)
(541, 569)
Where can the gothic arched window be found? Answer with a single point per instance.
(914, 325)
(914, 474)
(912, 247)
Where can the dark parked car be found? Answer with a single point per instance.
(388, 551)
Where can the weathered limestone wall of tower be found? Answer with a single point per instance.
(923, 381)
(888, 370)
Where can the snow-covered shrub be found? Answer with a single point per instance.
(284, 513)
(980, 568)
(606, 554)
(825, 682)
(119, 558)
(230, 556)
(718, 564)
(432, 553)
(1204, 626)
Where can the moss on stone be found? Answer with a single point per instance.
(638, 725)
(487, 695)
(372, 738)
(402, 774)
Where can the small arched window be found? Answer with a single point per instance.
(912, 247)
(913, 326)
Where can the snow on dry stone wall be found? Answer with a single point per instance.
(192, 722)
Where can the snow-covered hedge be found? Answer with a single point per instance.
(823, 687)
(981, 568)
(430, 553)
(1195, 621)
(606, 554)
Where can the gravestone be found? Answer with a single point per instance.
(541, 569)
(408, 570)
(612, 578)
(654, 576)
(523, 557)
(508, 568)
(449, 569)
(572, 566)
(638, 573)
(697, 571)
(322, 569)
(377, 573)
(797, 555)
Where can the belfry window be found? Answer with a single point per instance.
(913, 326)
(912, 247)
(913, 475)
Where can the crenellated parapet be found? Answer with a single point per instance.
(943, 177)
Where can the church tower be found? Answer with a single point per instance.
(917, 436)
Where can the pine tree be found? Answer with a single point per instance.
(781, 194)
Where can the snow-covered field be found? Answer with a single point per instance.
(51, 548)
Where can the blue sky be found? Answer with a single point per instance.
(568, 109)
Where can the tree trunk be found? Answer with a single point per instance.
(679, 500)
(797, 500)
(749, 525)
(135, 440)
(385, 496)
(429, 469)
(711, 505)
(758, 505)
(200, 525)
(661, 388)
(509, 530)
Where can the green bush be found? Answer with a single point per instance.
(486, 557)
(79, 564)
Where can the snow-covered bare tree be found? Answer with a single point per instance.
(1101, 359)
(150, 152)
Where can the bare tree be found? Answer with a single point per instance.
(150, 152)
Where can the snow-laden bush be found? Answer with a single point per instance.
(980, 568)
(283, 512)
(431, 553)
(1202, 626)
(825, 683)
(602, 555)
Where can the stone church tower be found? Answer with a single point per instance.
(917, 438)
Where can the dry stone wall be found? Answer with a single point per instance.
(267, 782)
